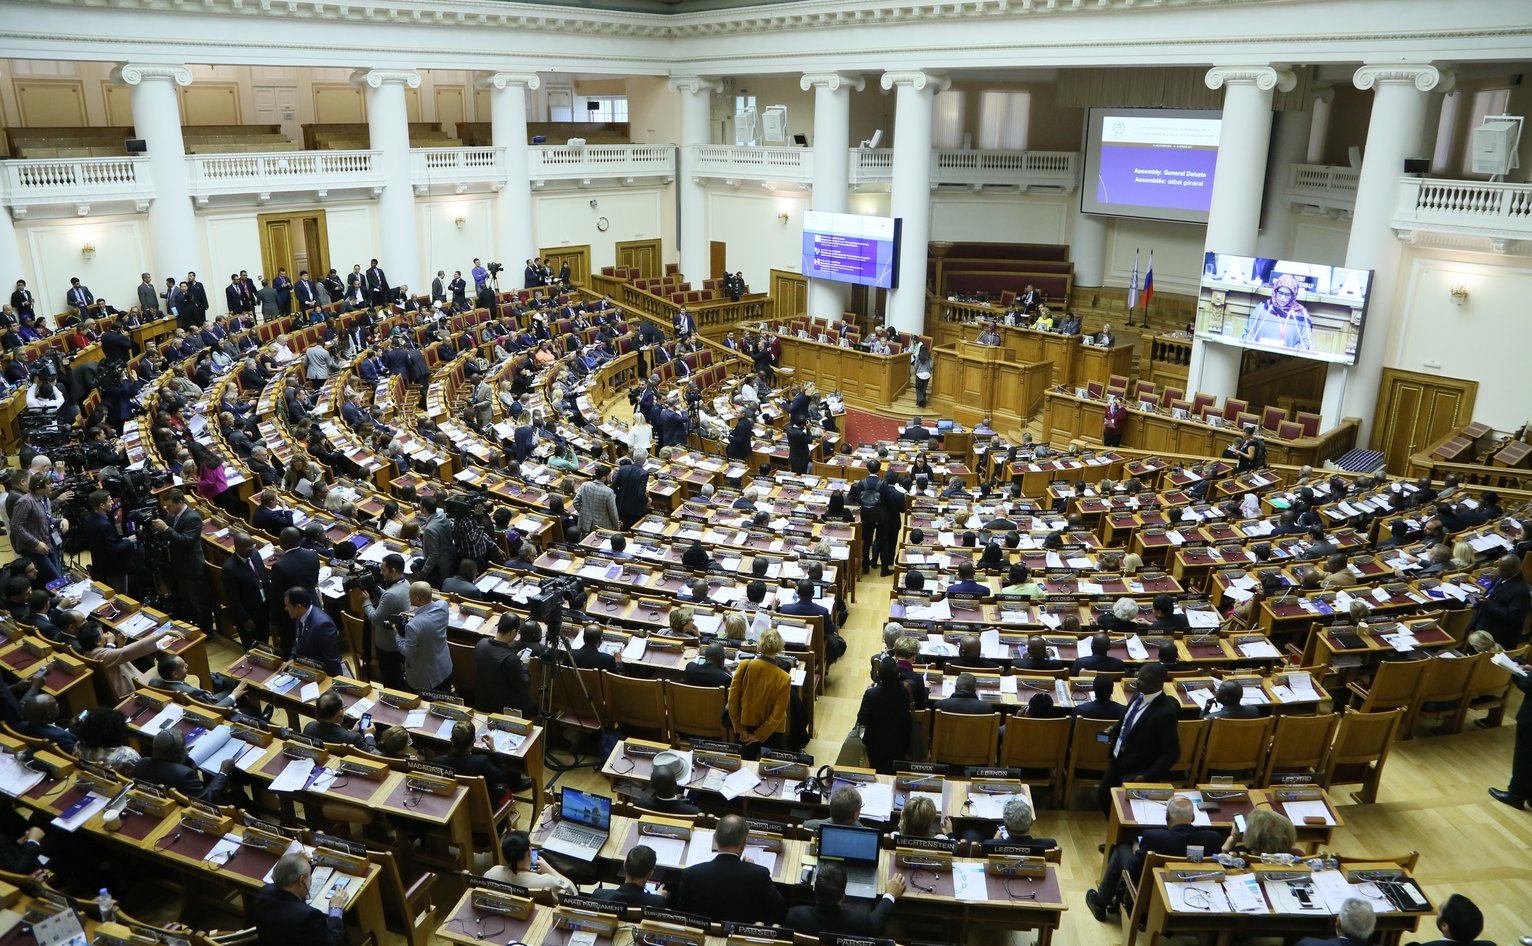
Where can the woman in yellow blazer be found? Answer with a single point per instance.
(759, 696)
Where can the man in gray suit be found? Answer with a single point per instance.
(392, 603)
(436, 539)
(423, 642)
(148, 297)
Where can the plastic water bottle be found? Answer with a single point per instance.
(107, 906)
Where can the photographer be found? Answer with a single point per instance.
(44, 395)
(381, 613)
(422, 641)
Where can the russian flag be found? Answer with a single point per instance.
(1149, 283)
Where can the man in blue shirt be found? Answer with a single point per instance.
(805, 606)
(480, 275)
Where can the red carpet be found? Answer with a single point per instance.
(862, 427)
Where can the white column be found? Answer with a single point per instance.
(911, 197)
(10, 257)
(832, 170)
(1289, 147)
(173, 246)
(508, 115)
(1234, 217)
(388, 130)
(696, 131)
(1393, 134)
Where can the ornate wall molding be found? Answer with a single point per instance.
(693, 84)
(1423, 76)
(378, 78)
(505, 80)
(917, 79)
(134, 73)
(1265, 78)
(832, 81)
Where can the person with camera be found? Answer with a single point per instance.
(387, 602)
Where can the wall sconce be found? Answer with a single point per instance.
(782, 219)
(459, 222)
(1459, 293)
(88, 250)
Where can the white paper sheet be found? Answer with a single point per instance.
(1299, 810)
(16, 778)
(1208, 898)
(877, 800)
(700, 850)
(738, 782)
(94, 803)
(668, 852)
(1244, 893)
(968, 881)
(294, 777)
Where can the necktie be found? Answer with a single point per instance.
(1134, 711)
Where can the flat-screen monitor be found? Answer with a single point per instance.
(1304, 309)
(843, 843)
(1155, 163)
(851, 248)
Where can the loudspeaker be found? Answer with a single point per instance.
(1417, 165)
(135, 146)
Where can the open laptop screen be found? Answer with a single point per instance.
(848, 844)
(592, 811)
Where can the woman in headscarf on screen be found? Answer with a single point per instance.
(1281, 321)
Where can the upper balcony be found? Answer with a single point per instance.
(872, 168)
(1323, 187)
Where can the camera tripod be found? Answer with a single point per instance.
(554, 660)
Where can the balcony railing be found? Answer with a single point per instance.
(875, 166)
(264, 174)
(456, 165)
(1328, 187)
(1495, 211)
(75, 181)
(561, 162)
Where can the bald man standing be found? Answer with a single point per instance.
(423, 641)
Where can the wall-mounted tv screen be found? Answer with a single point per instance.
(851, 248)
(1305, 309)
(1155, 163)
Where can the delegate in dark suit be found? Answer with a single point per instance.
(500, 678)
(181, 777)
(1145, 744)
(187, 562)
(1520, 788)
(1503, 610)
(699, 674)
(629, 894)
(281, 919)
(728, 889)
(319, 641)
(631, 484)
(851, 921)
(247, 593)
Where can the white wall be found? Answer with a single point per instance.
(352, 231)
(1485, 340)
(443, 245)
(1320, 239)
(758, 241)
(232, 242)
(50, 251)
(568, 219)
(977, 218)
(1177, 247)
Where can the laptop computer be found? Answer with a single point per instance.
(856, 849)
(584, 823)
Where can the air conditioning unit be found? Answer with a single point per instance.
(1494, 145)
(774, 124)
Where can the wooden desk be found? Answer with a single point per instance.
(878, 379)
(980, 381)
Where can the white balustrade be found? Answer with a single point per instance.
(75, 181)
(1325, 186)
(563, 162)
(456, 165)
(1494, 210)
(281, 171)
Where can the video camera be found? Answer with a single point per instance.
(495, 268)
(460, 504)
(366, 577)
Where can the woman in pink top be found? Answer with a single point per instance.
(1116, 414)
(213, 480)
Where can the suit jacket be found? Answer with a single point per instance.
(181, 777)
(632, 895)
(705, 675)
(500, 677)
(297, 568)
(247, 590)
(967, 705)
(271, 521)
(730, 890)
(593, 658)
(477, 763)
(1503, 611)
(186, 544)
(440, 548)
(1174, 841)
(1152, 745)
(799, 448)
(427, 663)
(1096, 663)
(318, 640)
(281, 919)
(631, 484)
(852, 921)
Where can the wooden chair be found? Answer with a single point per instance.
(1395, 685)
(1038, 747)
(1118, 385)
(246, 937)
(1142, 388)
(1445, 690)
(571, 708)
(1287, 430)
(1235, 746)
(1137, 904)
(1309, 423)
(358, 641)
(1491, 688)
(1246, 419)
(1174, 394)
(634, 704)
(1233, 407)
(696, 711)
(464, 672)
(1087, 757)
(1407, 860)
(1361, 747)
(1201, 402)
(407, 907)
(1271, 417)
(1094, 389)
(964, 739)
(1193, 736)
(1298, 745)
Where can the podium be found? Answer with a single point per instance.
(981, 380)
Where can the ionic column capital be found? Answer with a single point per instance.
(134, 73)
(917, 79)
(831, 81)
(1321, 92)
(1423, 76)
(1265, 78)
(693, 84)
(506, 80)
(378, 78)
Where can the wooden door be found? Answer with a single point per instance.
(717, 259)
(278, 105)
(789, 294)
(293, 242)
(643, 255)
(316, 247)
(578, 258)
(1415, 410)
